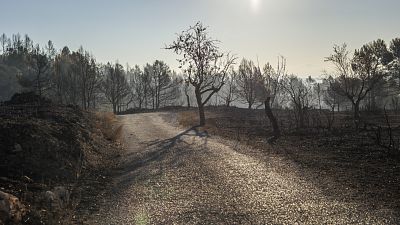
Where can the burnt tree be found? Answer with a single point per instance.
(204, 64)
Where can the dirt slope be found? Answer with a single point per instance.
(173, 176)
(47, 156)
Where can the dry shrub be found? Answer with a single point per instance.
(188, 118)
(108, 118)
(107, 124)
(117, 134)
(211, 126)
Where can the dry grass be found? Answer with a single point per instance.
(117, 133)
(107, 123)
(232, 123)
(191, 118)
(188, 118)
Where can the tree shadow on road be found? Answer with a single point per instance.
(171, 142)
(133, 169)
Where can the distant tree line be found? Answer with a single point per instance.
(366, 79)
(75, 78)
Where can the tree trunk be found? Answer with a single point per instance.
(356, 110)
(188, 101)
(301, 117)
(153, 102)
(114, 108)
(331, 118)
(356, 107)
(158, 96)
(202, 118)
(145, 99)
(39, 88)
(272, 119)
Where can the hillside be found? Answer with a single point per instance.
(48, 154)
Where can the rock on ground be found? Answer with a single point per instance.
(11, 209)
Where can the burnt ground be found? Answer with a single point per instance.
(172, 173)
(345, 164)
(51, 146)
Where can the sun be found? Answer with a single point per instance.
(255, 5)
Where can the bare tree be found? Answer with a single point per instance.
(3, 42)
(38, 79)
(394, 69)
(229, 93)
(86, 73)
(148, 90)
(136, 82)
(59, 70)
(115, 85)
(161, 80)
(92, 84)
(203, 63)
(247, 80)
(186, 90)
(394, 66)
(172, 94)
(300, 94)
(356, 77)
(267, 89)
(273, 78)
(330, 98)
(165, 86)
(50, 50)
(66, 79)
(318, 93)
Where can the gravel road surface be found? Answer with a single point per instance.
(173, 176)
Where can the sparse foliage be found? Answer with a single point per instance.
(115, 85)
(206, 67)
(301, 96)
(229, 93)
(357, 76)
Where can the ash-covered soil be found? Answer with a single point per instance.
(50, 156)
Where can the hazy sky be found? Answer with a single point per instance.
(135, 31)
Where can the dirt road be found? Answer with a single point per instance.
(173, 176)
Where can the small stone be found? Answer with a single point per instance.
(11, 209)
(27, 179)
(62, 196)
(17, 148)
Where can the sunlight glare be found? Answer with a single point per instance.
(255, 5)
